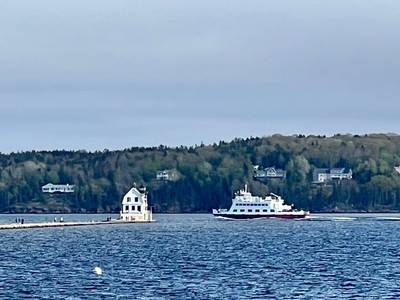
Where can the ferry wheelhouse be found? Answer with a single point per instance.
(247, 206)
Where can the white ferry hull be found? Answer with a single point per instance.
(261, 216)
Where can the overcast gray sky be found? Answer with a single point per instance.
(100, 74)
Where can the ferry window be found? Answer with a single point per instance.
(139, 208)
(242, 210)
(127, 207)
(128, 199)
(249, 210)
(136, 199)
(265, 210)
(257, 210)
(272, 210)
(235, 210)
(133, 207)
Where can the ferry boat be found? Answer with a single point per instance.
(247, 206)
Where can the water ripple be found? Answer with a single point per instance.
(198, 257)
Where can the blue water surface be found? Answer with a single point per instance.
(200, 257)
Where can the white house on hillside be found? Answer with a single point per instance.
(397, 169)
(167, 175)
(58, 188)
(269, 173)
(135, 207)
(326, 175)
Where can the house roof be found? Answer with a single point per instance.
(331, 171)
(51, 184)
(135, 191)
(337, 170)
(321, 170)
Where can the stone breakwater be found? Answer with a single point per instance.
(65, 224)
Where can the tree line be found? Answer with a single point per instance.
(208, 175)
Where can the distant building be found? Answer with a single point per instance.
(58, 188)
(135, 206)
(167, 175)
(269, 173)
(321, 175)
(327, 175)
(397, 169)
(340, 174)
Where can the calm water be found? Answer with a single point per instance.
(199, 257)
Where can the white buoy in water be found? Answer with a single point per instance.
(98, 271)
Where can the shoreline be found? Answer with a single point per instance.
(195, 213)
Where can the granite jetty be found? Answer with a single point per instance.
(135, 209)
(65, 224)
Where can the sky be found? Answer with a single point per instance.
(99, 74)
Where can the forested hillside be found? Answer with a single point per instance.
(208, 175)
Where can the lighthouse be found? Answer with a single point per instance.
(135, 207)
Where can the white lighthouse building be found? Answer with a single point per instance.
(135, 206)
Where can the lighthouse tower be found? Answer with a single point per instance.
(135, 206)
